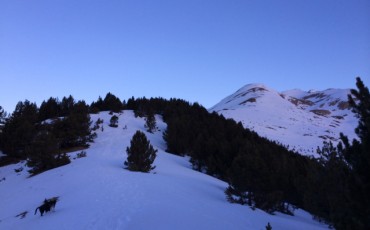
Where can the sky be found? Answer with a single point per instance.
(197, 50)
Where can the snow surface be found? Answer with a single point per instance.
(289, 117)
(96, 192)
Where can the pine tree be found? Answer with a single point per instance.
(44, 153)
(113, 121)
(332, 199)
(49, 109)
(97, 106)
(140, 154)
(112, 103)
(150, 122)
(357, 155)
(268, 227)
(19, 129)
(67, 105)
(81, 121)
(74, 129)
(359, 102)
(3, 116)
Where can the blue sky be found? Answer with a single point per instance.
(197, 50)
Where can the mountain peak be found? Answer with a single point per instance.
(246, 95)
(299, 119)
(253, 85)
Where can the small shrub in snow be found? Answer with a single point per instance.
(18, 170)
(97, 124)
(22, 215)
(93, 136)
(81, 154)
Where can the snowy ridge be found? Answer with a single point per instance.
(295, 118)
(97, 193)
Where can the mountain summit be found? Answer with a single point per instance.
(301, 120)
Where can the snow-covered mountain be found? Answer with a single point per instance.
(295, 118)
(96, 192)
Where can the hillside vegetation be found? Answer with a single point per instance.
(260, 173)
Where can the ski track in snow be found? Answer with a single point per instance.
(96, 192)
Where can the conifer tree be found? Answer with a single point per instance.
(3, 115)
(67, 105)
(331, 190)
(113, 121)
(357, 155)
(359, 102)
(140, 154)
(44, 153)
(81, 121)
(97, 106)
(49, 109)
(150, 122)
(112, 103)
(19, 129)
(74, 130)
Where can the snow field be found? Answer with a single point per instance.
(96, 192)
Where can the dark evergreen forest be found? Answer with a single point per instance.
(44, 135)
(260, 173)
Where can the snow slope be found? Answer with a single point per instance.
(96, 192)
(298, 119)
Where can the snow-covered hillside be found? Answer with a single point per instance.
(298, 119)
(96, 192)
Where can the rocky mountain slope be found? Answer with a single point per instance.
(295, 118)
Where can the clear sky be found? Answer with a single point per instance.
(197, 50)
